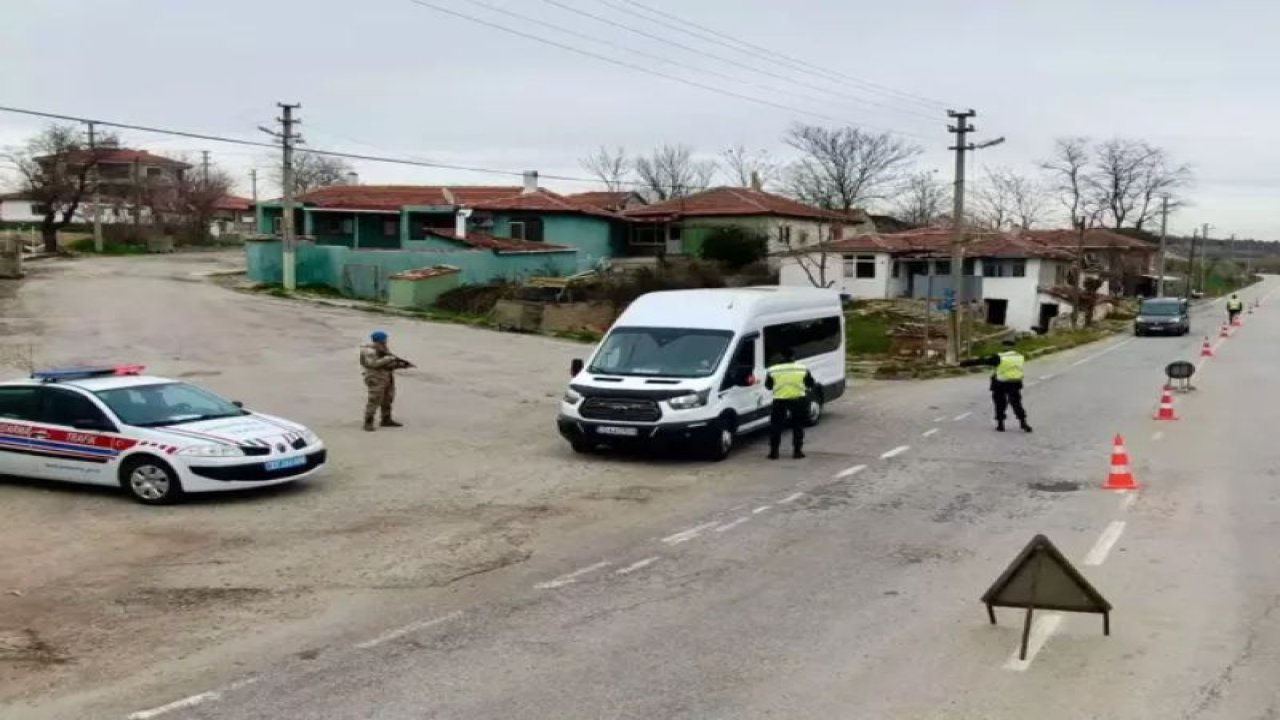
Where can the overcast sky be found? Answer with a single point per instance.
(391, 77)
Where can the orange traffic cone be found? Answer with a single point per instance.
(1237, 321)
(1226, 331)
(1206, 350)
(1166, 405)
(1121, 477)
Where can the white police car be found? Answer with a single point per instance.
(156, 438)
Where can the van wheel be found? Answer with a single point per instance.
(581, 446)
(151, 481)
(720, 444)
(814, 414)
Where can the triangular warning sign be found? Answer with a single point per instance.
(1041, 578)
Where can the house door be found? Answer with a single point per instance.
(675, 244)
(997, 310)
(1048, 311)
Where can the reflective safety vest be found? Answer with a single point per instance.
(1235, 304)
(1010, 367)
(788, 381)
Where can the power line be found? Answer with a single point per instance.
(649, 71)
(651, 56)
(726, 60)
(779, 58)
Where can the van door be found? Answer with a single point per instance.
(742, 388)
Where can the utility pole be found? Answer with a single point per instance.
(253, 177)
(1204, 259)
(961, 130)
(1191, 265)
(288, 139)
(1164, 236)
(1231, 253)
(98, 244)
(204, 166)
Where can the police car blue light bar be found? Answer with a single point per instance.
(83, 373)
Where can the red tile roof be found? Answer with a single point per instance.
(936, 242)
(127, 155)
(485, 241)
(426, 272)
(736, 201)
(1093, 239)
(540, 201)
(233, 202)
(606, 199)
(396, 197)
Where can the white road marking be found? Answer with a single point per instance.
(190, 702)
(762, 508)
(791, 498)
(1157, 435)
(929, 433)
(940, 418)
(1098, 554)
(1042, 627)
(571, 577)
(410, 628)
(894, 452)
(689, 534)
(850, 471)
(1129, 499)
(638, 565)
(961, 416)
(1045, 378)
(1099, 354)
(731, 525)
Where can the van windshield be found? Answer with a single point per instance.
(661, 352)
(1164, 309)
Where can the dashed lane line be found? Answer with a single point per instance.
(1098, 553)
(1044, 626)
(1157, 435)
(407, 629)
(1129, 499)
(190, 702)
(929, 433)
(850, 471)
(733, 524)
(572, 577)
(762, 508)
(791, 498)
(894, 452)
(691, 533)
(637, 565)
(1100, 353)
(961, 416)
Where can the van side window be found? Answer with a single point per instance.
(807, 338)
(744, 361)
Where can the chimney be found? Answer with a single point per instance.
(460, 222)
(755, 180)
(353, 178)
(530, 181)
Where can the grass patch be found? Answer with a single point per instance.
(867, 334)
(86, 246)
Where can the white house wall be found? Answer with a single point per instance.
(791, 272)
(1021, 294)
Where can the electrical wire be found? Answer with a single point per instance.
(649, 71)
(683, 25)
(729, 61)
(652, 56)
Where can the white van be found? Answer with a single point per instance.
(688, 367)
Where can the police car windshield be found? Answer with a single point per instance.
(166, 404)
(661, 352)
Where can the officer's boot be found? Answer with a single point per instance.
(388, 422)
(368, 423)
(1025, 426)
(1000, 425)
(773, 452)
(797, 453)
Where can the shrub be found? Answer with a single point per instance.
(734, 246)
(474, 299)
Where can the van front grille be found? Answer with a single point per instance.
(624, 409)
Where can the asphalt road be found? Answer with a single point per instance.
(847, 586)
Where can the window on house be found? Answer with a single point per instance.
(941, 267)
(517, 231)
(391, 228)
(786, 234)
(804, 237)
(896, 269)
(865, 268)
(277, 225)
(1017, 268)
(528, 229)
(39, 209)
(154, 172)
(969, 266)
(648, 235)
(346, 226)
(674, 233)
(848, 261)
(114, 171)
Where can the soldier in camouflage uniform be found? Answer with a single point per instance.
(379, 377)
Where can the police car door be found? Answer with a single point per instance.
(743, 386)
(77, 440)
(19, 407)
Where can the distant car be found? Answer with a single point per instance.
(157, 438)
(1162, 316)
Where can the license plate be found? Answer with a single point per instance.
(285, 463)
(619, 431)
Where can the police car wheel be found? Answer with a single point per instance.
(151, 481)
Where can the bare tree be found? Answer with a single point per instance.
(1068, 175)
(197, 198)
(923, 199)
(311, 171)
(1005, 199)
(611, 167)
(747, 168)
(55, 168)
(842, 168)
(672, 171)
(817, 261)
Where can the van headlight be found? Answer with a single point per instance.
(212, 451)
(572, 396)
(690, 401)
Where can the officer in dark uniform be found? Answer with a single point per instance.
(1006, 383)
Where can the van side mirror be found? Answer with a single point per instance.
(575, 366)
(238, 404)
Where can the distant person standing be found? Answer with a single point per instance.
(1234, 306)
(379, 377)
(790, 382)
(1006, 383)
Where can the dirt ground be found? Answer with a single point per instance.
(96, 591)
